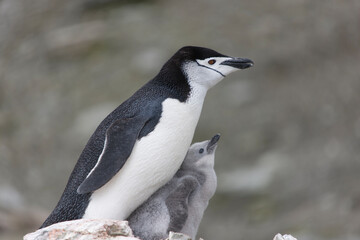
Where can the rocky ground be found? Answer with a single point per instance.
(97, 229)
(289, 156)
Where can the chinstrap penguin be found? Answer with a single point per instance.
(139, 146)
(179, 205)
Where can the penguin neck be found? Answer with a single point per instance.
(205, 167)
(173, 79)
(210, 185)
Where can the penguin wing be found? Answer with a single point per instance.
(177, 202)
(119, 142)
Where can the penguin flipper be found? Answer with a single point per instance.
(119, 142)
(177, 202)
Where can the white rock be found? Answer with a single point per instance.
(85, 229)
(91, 229)
(284, 237)
(178, 236)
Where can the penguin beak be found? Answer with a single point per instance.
(213, 143)
(240, 63)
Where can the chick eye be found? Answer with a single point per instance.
(211, 61)
(201, 150)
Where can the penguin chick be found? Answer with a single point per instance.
(180, 204)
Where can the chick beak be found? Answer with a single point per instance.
(213, 143)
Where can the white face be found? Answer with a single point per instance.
(207, 72)
(198, 156)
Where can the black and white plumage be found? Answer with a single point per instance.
(139, 147)
(179, 205)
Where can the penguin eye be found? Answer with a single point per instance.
(201, 150)
(211, 61)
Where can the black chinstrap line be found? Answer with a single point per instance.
(210, 69)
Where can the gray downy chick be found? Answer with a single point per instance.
(179, 205)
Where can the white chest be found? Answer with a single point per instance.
(154, 160)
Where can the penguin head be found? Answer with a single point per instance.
(201, 154)
(206, 67)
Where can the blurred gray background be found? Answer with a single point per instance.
(289, 157)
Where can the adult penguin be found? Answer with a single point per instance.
(139, 147)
